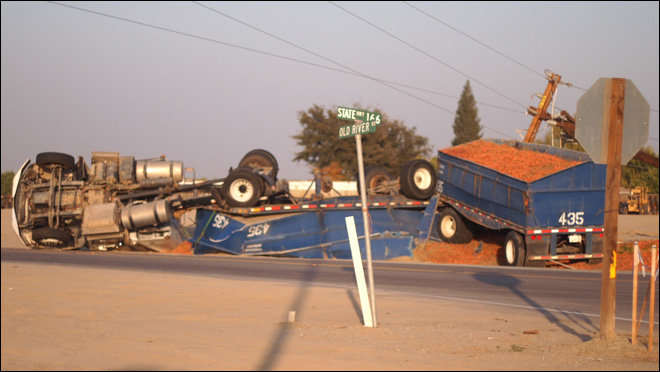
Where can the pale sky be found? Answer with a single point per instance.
(206, 82)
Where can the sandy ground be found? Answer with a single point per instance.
(58, 318)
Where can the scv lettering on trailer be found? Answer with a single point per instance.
(258, 230)
(220, 221)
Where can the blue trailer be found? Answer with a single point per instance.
(557, 217)
(316, 229)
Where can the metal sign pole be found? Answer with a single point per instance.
(367, 228)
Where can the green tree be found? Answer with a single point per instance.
(467, 125)
(638, 173)
(635, 173)
(391, 146)
(7, 180)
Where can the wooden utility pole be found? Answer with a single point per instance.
(613, 115)
(553, 80)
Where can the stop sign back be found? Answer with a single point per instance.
(591, 122)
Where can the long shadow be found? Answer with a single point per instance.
(269, 360)
(356, 304)
(512, 283)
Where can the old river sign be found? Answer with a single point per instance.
(365, 121)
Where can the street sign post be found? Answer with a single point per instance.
(364, 122)
(599, 127)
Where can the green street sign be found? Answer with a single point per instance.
(367, 122)
(346, 113)
(351, 130)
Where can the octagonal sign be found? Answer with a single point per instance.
(591, 123)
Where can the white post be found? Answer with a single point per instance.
(367, 228)
(359, 271)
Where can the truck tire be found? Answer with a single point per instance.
(242, 188)
(373, 177)
(452, 227)
(418, 179)
(514, 249)
(623, 208)
(46, 237)
(49, 159)
(261, 159)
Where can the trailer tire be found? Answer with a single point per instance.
(514, 249)
(373, 177)
(49, 159)
(47, 237)
(453, 228)
(261, 159)
(242, 188)
(418, 179)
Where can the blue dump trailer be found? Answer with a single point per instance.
(317, 229)
(557, 217)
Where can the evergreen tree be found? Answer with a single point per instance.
(466, 123)
(391, 146)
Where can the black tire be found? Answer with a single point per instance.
(46, 237)
(261, 159)
(452, 227)
(418, 179)
(514, 249)
(49, 159)
(242, 188)
(373, 177)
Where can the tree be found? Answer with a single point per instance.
(391, 146)
(7, 182)
(638, 173)
(466, 122)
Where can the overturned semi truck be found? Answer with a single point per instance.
(129, 204)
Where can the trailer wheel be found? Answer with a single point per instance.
(49, 159)
(452, 228)
(242, 188)
(514, 249)
(418, 179)
(374, 176)
(47, 237)
(261, 159)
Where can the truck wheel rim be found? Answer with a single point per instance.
(510, 250)
(51, 242)
(448, 227)
(422, 179)
(241, 190)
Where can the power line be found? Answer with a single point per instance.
(475, 40)
(352, 72)
(485, 45)
(322, 57)
(337, 63)
(428, 55)
(331, 61)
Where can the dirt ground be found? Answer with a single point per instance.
(56, 318)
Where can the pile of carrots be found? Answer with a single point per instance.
(524, 165)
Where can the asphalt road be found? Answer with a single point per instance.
(574, 292)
